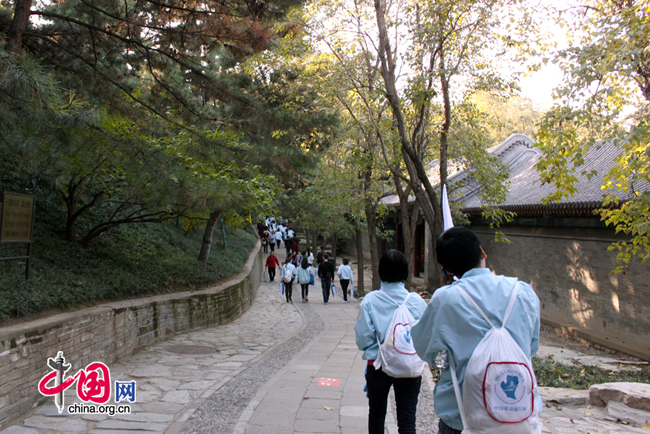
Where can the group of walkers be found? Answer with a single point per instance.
(272, 234)
(481, 330)
(300, 267)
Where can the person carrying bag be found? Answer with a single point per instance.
(378, 310)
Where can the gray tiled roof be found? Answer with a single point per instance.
(518, 152)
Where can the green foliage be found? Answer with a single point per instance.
(507, 117)
(131, 261)
(110, 169)
(577, 376)
(550, 373)
(605, 96)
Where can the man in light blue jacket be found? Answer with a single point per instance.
(451, 324)
(376, 314)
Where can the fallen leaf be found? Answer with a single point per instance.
(646, 426)
(328, 408)
(571, 420)
(587, 413)
(589, 406)
(624, 422)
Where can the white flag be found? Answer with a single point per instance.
(448, 222)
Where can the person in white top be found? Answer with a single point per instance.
(310, 257)
(278, 237)
(345, 275)
(288, 284)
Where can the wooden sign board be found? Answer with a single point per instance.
(16, 218)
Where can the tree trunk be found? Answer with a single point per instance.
(314, 242)
(444, 132)
(204, 254)
(335, 238)
(71, 204)
(86, 241)
(428, 199)
(307, 239)
(17, 27)
(371, 215)
(359, 287)
(408, 232)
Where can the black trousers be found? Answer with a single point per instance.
(304, 289)
(326, 284)
(288, 290)
(406, 390)
(344, 287)
(271, 274)
(443, 428)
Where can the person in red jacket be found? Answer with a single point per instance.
(271, 263)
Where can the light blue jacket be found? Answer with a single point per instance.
(376, 313)
(451, 323)
(303, 275)
(290, 267)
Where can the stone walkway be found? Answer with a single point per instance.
(281, 368)
(171, 386)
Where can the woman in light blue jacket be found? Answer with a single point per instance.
(304, 278)
(375, 315)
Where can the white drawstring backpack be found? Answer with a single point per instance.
(499, 387)
(397, 356)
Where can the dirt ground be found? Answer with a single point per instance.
(552, 337)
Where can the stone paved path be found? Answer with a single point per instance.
(274, 371)
(171, 386)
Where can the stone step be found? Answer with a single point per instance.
(630, 415)
(560, 396)
(634, 395)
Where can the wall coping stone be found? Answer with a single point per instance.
(112, 331)
(50, 322)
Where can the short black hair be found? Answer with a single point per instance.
(325, 255)
(458, 250)
(393, 267)
(346, 261)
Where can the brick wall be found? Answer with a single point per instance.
(111, 331)
(570, 269)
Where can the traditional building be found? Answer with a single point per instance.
(561, 249)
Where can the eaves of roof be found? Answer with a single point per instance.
(564, 208)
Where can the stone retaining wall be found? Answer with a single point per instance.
(570, 270)
(111, 331)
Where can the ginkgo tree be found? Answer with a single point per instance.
(605, 96)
